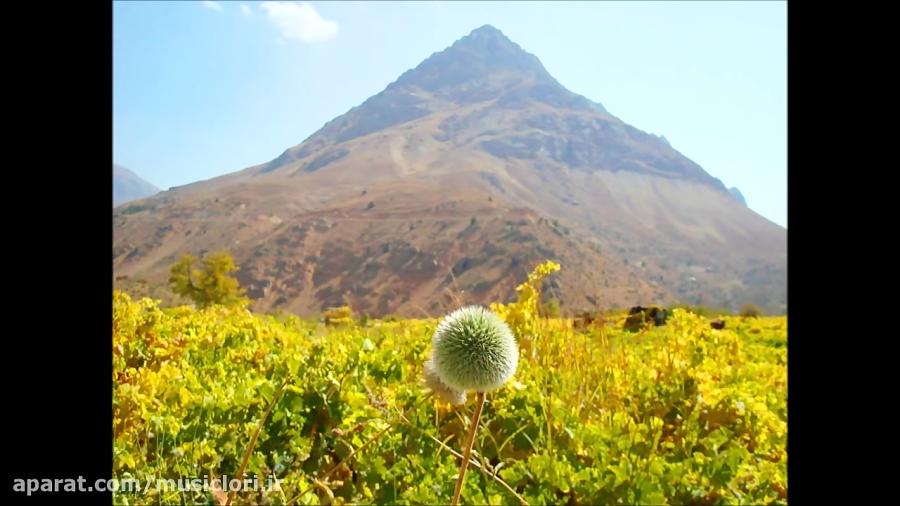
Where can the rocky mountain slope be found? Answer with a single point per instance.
(449, 185)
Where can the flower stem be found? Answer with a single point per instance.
(467, 453)
(253, 439)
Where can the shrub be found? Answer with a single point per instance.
(338, 316)
(749, 310)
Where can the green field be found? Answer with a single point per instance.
(677, 414)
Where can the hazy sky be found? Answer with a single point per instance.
(206, 88)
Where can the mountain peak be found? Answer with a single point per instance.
(486, 29)
(381, 203)
(484, 57)
(486, 34)
(128, 186)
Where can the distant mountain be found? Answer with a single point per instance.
(449, 185)
(128, 186)
(738, 195)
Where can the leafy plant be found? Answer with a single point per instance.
(339, 316)
(679, 414)
(522, 315)
(550, 309)
(210, 283)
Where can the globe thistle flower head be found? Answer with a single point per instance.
(474, 349)
(442, 391)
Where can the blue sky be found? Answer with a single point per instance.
(205, 88)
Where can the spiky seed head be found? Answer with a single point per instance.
(474, 349)
(442, 391)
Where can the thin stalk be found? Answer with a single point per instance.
(483, 469)
(252, 445)
(470, 440)
(360, 448)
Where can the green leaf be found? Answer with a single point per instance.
(266, 391)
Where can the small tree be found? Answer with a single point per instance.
(342, 315)
(750, 310)
(208, 284)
